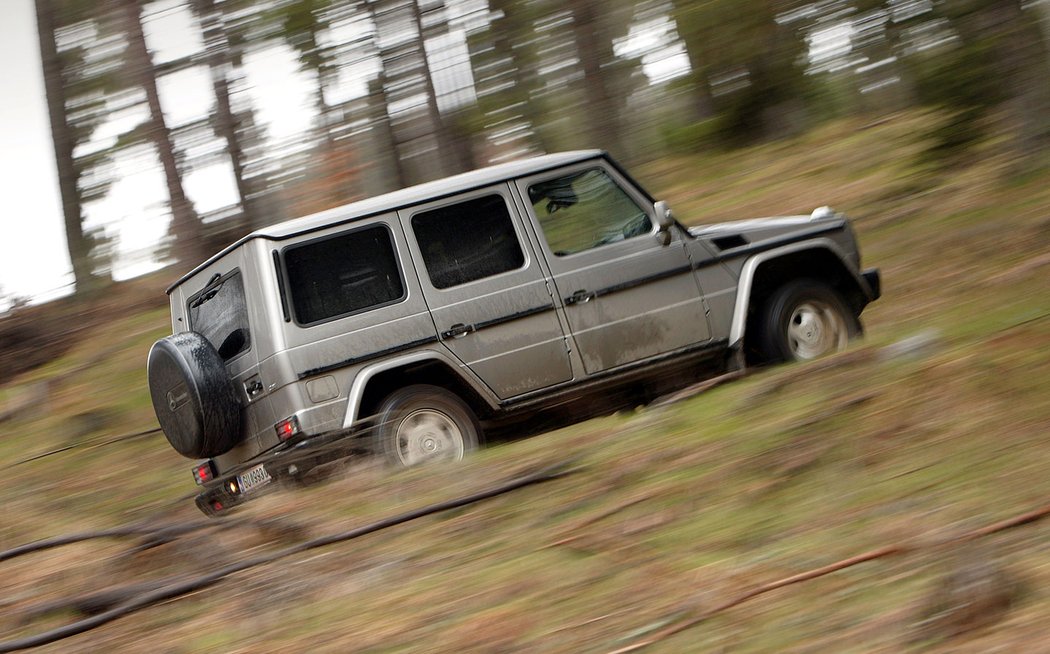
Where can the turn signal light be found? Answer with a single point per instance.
(287, 428)
(204, 472)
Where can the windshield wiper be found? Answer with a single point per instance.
(209, 291)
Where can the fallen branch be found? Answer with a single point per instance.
(696, 618)
(92, 603)
(161, 532)
(840, 407)
(1017, 521)
(101, 441)
(197, 583)
(566, 534)
(699, 387)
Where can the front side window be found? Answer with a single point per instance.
(343, 274)
(220, 314)
(584, 210)
(467, 241)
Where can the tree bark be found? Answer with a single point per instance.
(185, 224)
(392, 173)
(703, 103)
(78, 244)
(1023, 52)
(509, 35)
(219, 62)
(452, 154)
(595, 52)
(1021, 60)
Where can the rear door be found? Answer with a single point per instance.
(491, 303)
(628, 293)
(220, 311)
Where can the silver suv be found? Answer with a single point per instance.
(411, 323)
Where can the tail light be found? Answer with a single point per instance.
(287, 428)
(204, 472)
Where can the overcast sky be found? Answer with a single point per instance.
(35, 262)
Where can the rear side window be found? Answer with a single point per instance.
(343, 274)
(467, 241)
(220, 314)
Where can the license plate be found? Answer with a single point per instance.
(253, 479)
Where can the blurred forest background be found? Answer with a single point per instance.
(443, 86)
(927, 121)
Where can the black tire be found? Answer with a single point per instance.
(196, 404)
(422, 423)
(804, 319)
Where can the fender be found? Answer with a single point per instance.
(747, 277)
(357, 389)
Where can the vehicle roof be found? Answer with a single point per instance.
(403, 198)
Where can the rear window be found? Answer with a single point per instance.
(343, 274)
(220, 314)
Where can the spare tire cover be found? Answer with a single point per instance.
(196, 403)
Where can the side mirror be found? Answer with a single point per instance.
(664, 220)
(664, 217)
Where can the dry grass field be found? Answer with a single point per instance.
(935, 424)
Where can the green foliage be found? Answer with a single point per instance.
(692, 137)
(745, 40)
(963, 83)
(301, 21)
(963, 77)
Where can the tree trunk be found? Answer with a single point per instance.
(451, 152)
(185, 224)
(62, 137)
(509, 33)
(594, 49)
(219, 62)
(1023, 52)
(1042, 9)
(703, 104)
(1021, 61)
(392, 171)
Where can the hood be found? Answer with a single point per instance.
(743, 236)
(776, 224)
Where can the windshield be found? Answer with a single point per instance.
(220, 314)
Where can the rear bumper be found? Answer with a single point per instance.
(289, 461)
(874, 281)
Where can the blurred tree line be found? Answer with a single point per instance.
(449, 85)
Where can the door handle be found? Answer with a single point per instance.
(457, 331)
(579, 297)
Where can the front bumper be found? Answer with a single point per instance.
(874, 281)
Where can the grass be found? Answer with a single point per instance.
(788, 469)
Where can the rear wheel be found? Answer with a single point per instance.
(805, 319)
(423, 424)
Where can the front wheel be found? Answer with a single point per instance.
(422, 424)
(805, 319)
